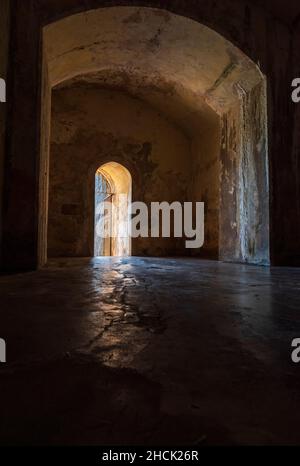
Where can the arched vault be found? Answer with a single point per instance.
(195, 77)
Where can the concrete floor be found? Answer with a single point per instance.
(150, 351)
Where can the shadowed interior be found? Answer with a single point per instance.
(174, 102)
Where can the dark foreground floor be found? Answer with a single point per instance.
(150, 351)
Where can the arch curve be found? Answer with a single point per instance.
(198, 80)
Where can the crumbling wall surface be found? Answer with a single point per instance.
(254, 174)
(91, 127)
(206, 183)
(244, 204)
(229, 182)
(244, 176)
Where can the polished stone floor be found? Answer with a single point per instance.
(150, 351)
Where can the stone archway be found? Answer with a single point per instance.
(248, 32)
(200, 82)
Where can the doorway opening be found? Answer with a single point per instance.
(113, 187)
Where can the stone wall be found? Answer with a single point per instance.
(206, 181)
(268, 34)
(93, 126)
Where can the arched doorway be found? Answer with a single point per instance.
(112, 202)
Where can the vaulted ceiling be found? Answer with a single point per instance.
(181, 67)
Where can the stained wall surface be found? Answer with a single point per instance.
(93, 126)
(192, 75)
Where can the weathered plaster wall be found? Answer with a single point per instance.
(206, 182)
(244, 180)
(254, 177)
(189, 73)
(229, 184)
(94, 126)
